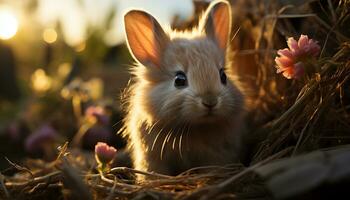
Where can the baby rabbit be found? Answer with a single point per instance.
(184, 109)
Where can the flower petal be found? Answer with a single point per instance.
(314, 48)
(279, 70)
(292, 44)
(303, 41)
(286, 52)
(283, 62)
(104, 153)
(288, 73)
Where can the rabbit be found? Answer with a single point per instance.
(184, 108)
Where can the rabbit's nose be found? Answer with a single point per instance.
(209, 101)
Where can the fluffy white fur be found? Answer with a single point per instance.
(169, 129)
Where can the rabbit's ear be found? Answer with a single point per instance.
(145, 37)
(217, 24)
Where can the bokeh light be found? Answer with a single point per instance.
(50, 35)
(40, 81)
(8, 24)
(80, 47)
(64, 69)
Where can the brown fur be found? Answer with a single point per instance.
(168, 128)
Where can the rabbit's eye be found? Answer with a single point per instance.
(180, 79)
(223, 76)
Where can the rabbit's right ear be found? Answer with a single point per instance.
(145, 37)
(217, 24)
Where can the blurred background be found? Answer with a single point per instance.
(63, 66)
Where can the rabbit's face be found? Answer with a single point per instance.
(195, 87)
(182, 78)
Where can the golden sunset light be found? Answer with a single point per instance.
(179, 99)
(50, 35)
(8, 24)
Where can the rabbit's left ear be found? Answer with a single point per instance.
(217, 25)
(145, 37)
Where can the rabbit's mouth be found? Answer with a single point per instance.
(207, 120)
(209, 116)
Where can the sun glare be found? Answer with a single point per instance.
(8, 24)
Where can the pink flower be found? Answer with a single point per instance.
(291, 61)
(104, 154)
(304, 46)
(296, 71)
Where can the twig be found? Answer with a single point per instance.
(135, 171)
(229, 167)
(340, 35)
(122, 185)
(234, 35)
(111, 194)
(216, 189)
(290, 16)
(35, 180)
(334, 18)
(20, 168)
(62, 151)
(7, 194)
(255, 51)
(303, 132)
(296, 105)
(108, 189)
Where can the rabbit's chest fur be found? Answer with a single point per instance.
(172, 150)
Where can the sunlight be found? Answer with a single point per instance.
(40, 81)
(8, 24)
(50, 35)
